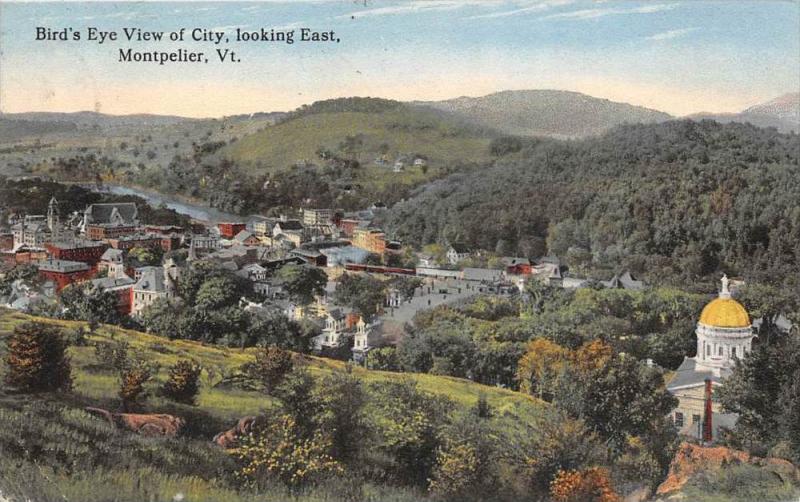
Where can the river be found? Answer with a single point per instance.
(194, 211)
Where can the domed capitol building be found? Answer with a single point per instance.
(724, 333)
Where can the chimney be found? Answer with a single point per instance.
(708, 425)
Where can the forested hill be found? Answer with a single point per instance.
(549, 113)
(678, 200)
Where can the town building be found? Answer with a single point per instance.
(370, 239)
(246, 238)
(36, 230)
(6, 241)
(83, 250)
(724, 334)
(21, 255)
(163, 229)
(154, 283)
(349, 225)
(205, 242)
(112, 262)
(256, 274)
(262, 226)
(63, 273)
(332, 335)
(122, 288)
(457, 253)
(288, 230)
(361, 343)
(31, 231)
(624, 281)
(135, 240)
(228, 230)
(317, 217)
(108, 221)
(516, 265)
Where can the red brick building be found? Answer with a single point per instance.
(85, 251)
(136, 241)
(170, 242)
(122, 287)
(104, 232)
(347, 226)
(63, 273)
(229, 230)
(22, 255)
(110, 221)
(517, 266)
(163, 229)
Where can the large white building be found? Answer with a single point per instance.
(724, 333)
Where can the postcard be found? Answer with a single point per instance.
(400, 251)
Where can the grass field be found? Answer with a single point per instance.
(227, 404)
(405, 130)
(51, 449)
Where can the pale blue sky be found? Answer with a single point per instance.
(680, 57)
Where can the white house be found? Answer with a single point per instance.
(457, 253)
(332, 335)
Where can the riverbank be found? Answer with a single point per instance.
(194, 210)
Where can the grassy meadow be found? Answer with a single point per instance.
(51, 449)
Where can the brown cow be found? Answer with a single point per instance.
(144, 424)
(246, 425)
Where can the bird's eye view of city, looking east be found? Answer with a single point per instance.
(400, 251)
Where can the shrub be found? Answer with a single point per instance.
(132, 379)
(182, 384)
(37, 360)
(270, 367)
(113, 355)
(278, 452)
(455, 473)
(588, 485)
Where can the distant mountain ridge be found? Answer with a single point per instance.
(88, 119)
(552, 113)
(782, 113)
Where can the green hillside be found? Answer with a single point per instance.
(230, 404)
(52, 449)
(399, 131)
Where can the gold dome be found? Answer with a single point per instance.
(725, 313)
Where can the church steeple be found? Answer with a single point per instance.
(53, 215)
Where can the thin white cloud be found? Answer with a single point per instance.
(416, 6)
(596, 13)
(668, 35)
(536, 7)
(229, 27)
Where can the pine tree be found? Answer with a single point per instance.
(36, 359)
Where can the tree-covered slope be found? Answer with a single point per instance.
(550, 113)
(673, 200)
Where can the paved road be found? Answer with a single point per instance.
(433, 293)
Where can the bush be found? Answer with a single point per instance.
(182, 385)
(132, 380)
(270, 367)
(36, 360)
(113, 355)
(589, 485)
(278, 452)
